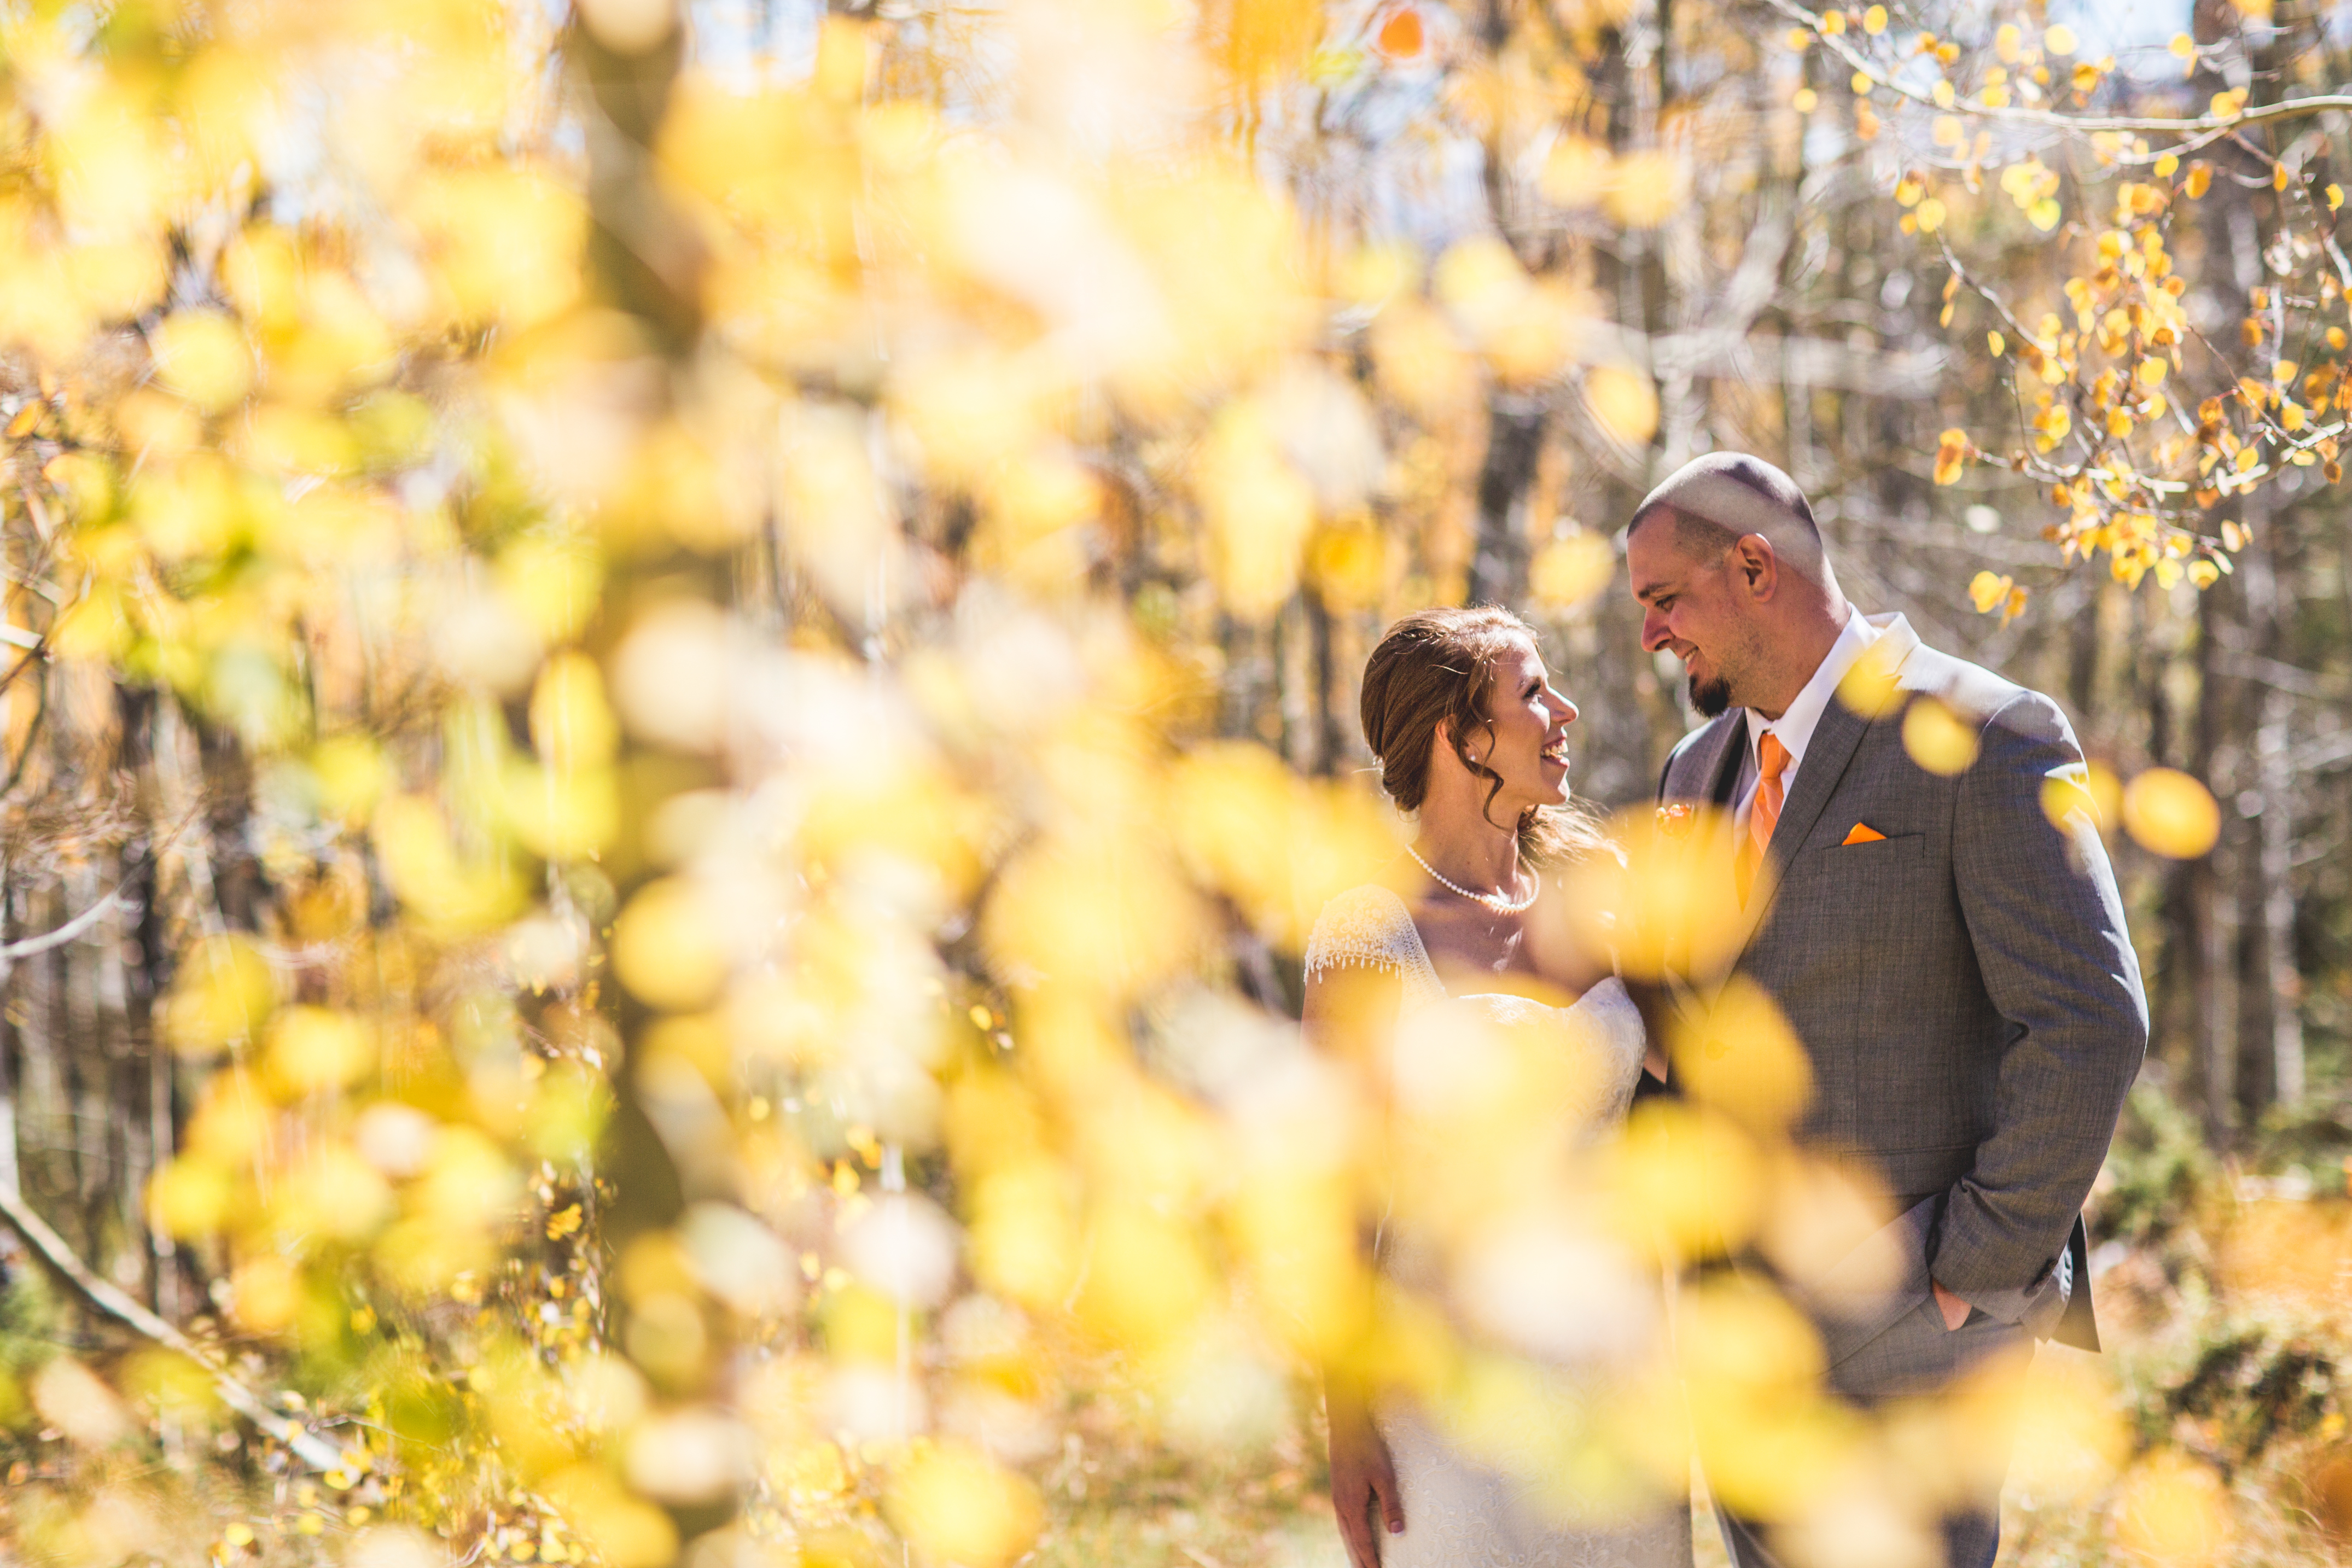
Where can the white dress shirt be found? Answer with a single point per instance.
(1796, 725)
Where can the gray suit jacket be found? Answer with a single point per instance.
(1965, 985)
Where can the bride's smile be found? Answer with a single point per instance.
(1529, 717)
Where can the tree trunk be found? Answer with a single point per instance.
(2210, 934)
(1498, 568)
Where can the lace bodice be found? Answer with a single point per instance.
(1370, 927)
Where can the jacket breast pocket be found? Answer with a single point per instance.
(1858, 859)
(1840, 880)
(1897, 849)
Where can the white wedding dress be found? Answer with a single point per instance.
(1510, 1466)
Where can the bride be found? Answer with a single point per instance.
(1463, 973)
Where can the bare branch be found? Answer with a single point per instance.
(29, 946)
(305, 1444)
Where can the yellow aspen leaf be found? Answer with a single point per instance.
(1798, 38)
(2059, 40)
(203, 356)
(2226, 103)
(1996, 343)
(2336, 338)
(955, 1503)
(1908, 189)
(1944, 98)
(1939, 740)
(2150, 371)
(2278, 176)
(2335, 198)
(2291, 416)
(1930, 215)
(1569, 572)
(2168, 165)
(1952, 450)
(2203, 574)
(2200, 179)
(1832, 23)
(1873, 21)
(1805, 100)
(1861, 84)
(2008, 43)
(2283, 371)
(2182, 46)
(2171, 814)
(1624, 400)
(2233, 537)
(1947, 53)
(1986, 590)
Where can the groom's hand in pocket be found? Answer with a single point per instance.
(1363, 1480)
(1955, 1311)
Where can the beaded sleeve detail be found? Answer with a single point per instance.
(1369, 926)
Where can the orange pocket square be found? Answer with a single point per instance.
(1864, 833)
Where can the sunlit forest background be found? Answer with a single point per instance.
(680, 681)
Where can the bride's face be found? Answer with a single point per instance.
(1528, 743)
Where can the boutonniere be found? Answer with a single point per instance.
(1674, 819)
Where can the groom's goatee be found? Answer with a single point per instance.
(1710, 697)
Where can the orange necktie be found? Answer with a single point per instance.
(1764, 815)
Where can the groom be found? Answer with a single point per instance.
(1954, 961)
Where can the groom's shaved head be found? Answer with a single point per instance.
(1718, 499)
(1728, 564)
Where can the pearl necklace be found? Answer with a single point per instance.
(1493, 901)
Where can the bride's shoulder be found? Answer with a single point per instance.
(1369, 925)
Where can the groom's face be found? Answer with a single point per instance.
(1691, 610)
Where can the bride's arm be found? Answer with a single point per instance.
(1349, 1015)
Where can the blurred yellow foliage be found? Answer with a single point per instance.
(2172, 813)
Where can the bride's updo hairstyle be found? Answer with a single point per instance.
(1438, 666)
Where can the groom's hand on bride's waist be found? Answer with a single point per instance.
(1955, 1311)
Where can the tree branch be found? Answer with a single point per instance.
(305, 1444)
(27, 946)
(2195, 133)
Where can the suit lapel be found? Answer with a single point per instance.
(1871, 690)
(1714, 762)
(1722, 774)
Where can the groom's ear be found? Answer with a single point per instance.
(1757, 566)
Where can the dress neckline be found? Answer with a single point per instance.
(1440, 991)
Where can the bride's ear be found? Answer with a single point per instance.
(1444, 750)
